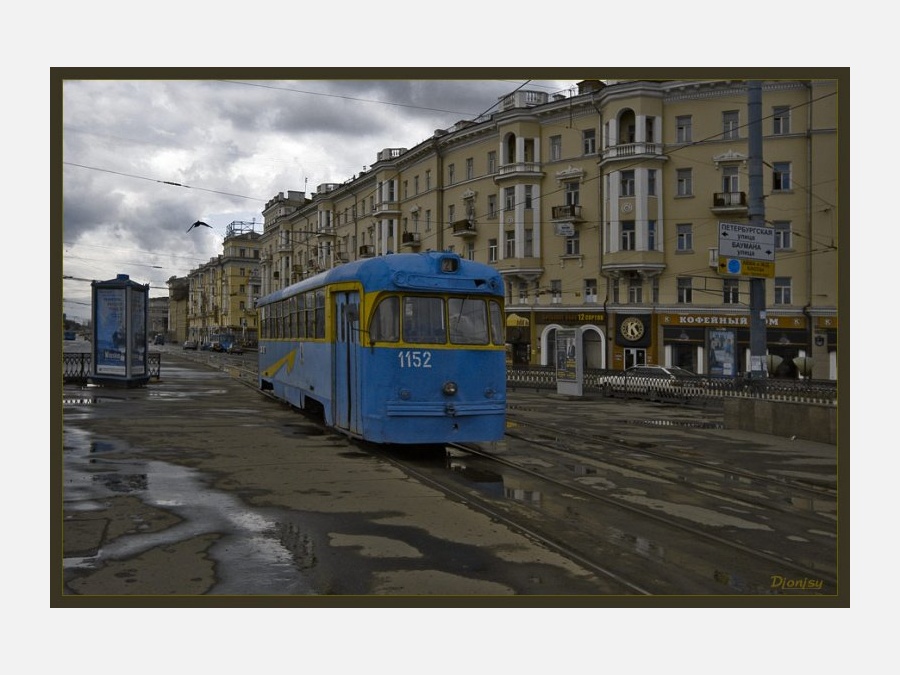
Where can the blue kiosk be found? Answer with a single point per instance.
(119, 312)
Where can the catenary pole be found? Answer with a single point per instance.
(756, 212)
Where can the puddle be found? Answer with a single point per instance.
(254, 554)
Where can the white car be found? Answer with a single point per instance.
(653, 382)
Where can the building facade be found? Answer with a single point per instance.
(222, 293)
(602, 212)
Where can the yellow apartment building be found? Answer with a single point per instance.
(222, 293)
(602, 210)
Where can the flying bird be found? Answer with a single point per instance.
(198, 224)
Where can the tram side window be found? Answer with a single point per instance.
(423, 320)
(498, 336)
(468, 321)
(300, 317)
(289, 318)
(277, 307)
(320, 313)
(310, 304)
(385, 326)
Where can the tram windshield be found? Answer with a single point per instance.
(429, 319)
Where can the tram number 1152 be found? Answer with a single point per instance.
(414, 359)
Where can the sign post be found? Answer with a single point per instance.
(746, 250)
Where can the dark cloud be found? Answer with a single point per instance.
(143, 159)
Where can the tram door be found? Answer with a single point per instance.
(347, 413)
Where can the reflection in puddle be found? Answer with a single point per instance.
(253, 555)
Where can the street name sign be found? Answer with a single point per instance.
(746, 250)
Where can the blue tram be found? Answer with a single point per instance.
(407, 348)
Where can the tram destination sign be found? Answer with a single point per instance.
(746, 250)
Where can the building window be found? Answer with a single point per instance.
(651, 235)
(573, 244)
(683, 129)
(510, 248)
(626, 184)
(451, 174)
(555, 148)
(635, 290)
(781, 176)
(684, 235)
(416, 221)
(685, 291)
(782, 235)
(590, 290)
(529, 242)
(589, 141)
(428, 179)
(528, 193)
(572, 193)
(470, 251)
(451, 214)
(555, 291)
(781, 120)
(470, 169)
(730, 179)
(730, 294)
(428, 220)
(651, 182)
(416, 184)
(492, 161)
(685, 187)
(628, 233)
(730, 122)
(492, 250)
(492, 206)
(782, 290)
(509, 199)
(523, 292)
(654, 290)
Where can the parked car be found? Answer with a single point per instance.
(159, 340)
(216, 346)
(235, 348)
(189, 344)
(653, 381)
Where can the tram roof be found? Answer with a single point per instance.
(410, 271)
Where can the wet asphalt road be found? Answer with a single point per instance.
(198, 485)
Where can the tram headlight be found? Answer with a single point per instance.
(449, 388)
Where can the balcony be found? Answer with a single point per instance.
(386, 208)
(464, 228)
(529, 268)
(325, 232)
(646, 262)
(729, 203)
(519, 170)
(630, 151)
(367, 251)
(568, 213)
(411, 240)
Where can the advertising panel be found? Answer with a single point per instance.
(111, 342)
(721, 352)
(138, 310)
(565, 355)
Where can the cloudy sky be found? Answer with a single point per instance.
(230, 145)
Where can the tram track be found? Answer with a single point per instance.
(755, 560)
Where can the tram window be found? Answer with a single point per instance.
(320, 313)
(385, 326)
(468, 321)
(498, 336)
(423, 320)
(300, 316)
(310, 304)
